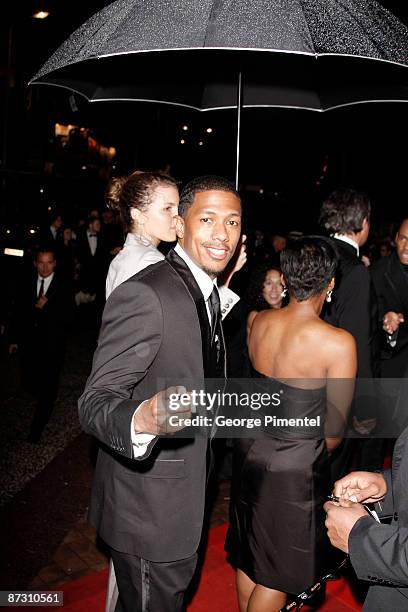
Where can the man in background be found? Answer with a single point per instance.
(42, 314)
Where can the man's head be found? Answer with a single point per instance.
(56, 221)
(94, 225)
(401, 242)
(45, 262)
(209, 222)
(347, 212)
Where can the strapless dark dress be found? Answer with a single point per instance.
(280, 482)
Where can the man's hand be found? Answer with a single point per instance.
(13, 348)
(41, 302)
(367, 487)
(391, 321)
(340, 520)
(153, 415)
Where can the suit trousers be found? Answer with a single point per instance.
(148, 586)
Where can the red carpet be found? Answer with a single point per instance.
(216, 591)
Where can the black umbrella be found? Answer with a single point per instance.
(216, 54)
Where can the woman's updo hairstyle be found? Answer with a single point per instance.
(308, 265)
(134, 191)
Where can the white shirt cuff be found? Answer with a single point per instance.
(140, 441)
(228, 300)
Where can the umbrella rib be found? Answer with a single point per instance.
(213, 12)
(365, 30)
(308, 29)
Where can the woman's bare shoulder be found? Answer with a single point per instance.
(336, 338)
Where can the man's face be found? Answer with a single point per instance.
(95, 226)
(210, 232)
(401, 242)
(45, 264)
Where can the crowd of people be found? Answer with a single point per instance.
(309, 311)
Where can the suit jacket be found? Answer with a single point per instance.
(155, 333)
(93, 268)
(391, 290)
(379, 553)
(352, 307)
(42, 332)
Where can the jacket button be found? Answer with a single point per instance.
(395, 517)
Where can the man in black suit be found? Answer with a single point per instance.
(390, 281)
(39, 328)
(160, 328)
(378, 552)
(93, 257)
(346, 216)
(51, 233)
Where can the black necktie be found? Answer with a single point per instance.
(41, 291)
(215, 310)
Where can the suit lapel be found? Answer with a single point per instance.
(184, 272)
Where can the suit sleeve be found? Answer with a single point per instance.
(129, 341)
(355, 315)
(386, 506)
(379, 553)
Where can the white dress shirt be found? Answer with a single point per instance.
(92, 241)
(47, 282)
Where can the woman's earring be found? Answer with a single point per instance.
(329, 295)
(284, 291)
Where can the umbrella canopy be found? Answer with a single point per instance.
(312, 54)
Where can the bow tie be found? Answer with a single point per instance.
(92, 235)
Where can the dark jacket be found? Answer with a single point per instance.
(42, 331)
(353, 308)
(391, 289)
(155, 334)
(379, 553)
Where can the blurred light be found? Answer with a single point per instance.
(41, 14)
(200, 144)
(276, 194)
(182, 141)
(41, 190)
(8, 231)
(14, 252)
(261, 191)
(185, 128)
(50, 208)
(32, 231)
(209, 130)
(84, 168)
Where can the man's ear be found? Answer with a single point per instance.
(179, 226)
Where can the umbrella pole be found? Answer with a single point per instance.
(239, 105)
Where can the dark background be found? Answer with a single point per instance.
(290, 159)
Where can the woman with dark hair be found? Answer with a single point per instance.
(264, 291)
(280, 479)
